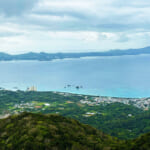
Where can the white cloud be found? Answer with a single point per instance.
(79, 35)
(52, 18)
(68, 25)
(59, 5)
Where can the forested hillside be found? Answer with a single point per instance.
(29, 131)
(116, 119)
(51, 132)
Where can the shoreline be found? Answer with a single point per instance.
(91, 100)
(78, 94)
(73, 58)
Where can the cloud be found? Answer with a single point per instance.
(60, 25)
(15, 7)
(80, 35)
(111, 15)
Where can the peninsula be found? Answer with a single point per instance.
(51, 56)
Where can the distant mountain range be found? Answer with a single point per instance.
(51, 56)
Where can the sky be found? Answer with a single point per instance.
(73, 25)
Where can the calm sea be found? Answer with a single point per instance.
(125, 76)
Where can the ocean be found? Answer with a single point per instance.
(116, 76)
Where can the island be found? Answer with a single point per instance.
(42, 56)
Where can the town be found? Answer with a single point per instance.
(142, 103)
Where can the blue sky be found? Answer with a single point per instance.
(73, 25)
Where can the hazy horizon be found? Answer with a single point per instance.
(88, 51)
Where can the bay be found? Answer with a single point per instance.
(125, 76)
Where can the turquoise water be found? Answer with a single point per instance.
(125, 76)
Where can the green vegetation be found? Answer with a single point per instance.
(51, 132)
(28, 131)
(141, 143)
(116, 119)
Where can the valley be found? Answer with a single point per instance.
(115, 116)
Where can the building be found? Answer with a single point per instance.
(32, 88)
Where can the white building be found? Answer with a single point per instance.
(32, 88)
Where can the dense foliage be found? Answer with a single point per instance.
(29, 131)
(113, 119)
(51, 132)
(116, 121)
(141, 143)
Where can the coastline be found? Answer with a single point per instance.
(73, 58)
(141, 103)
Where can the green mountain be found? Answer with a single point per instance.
(29, 131)
(116, 119)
